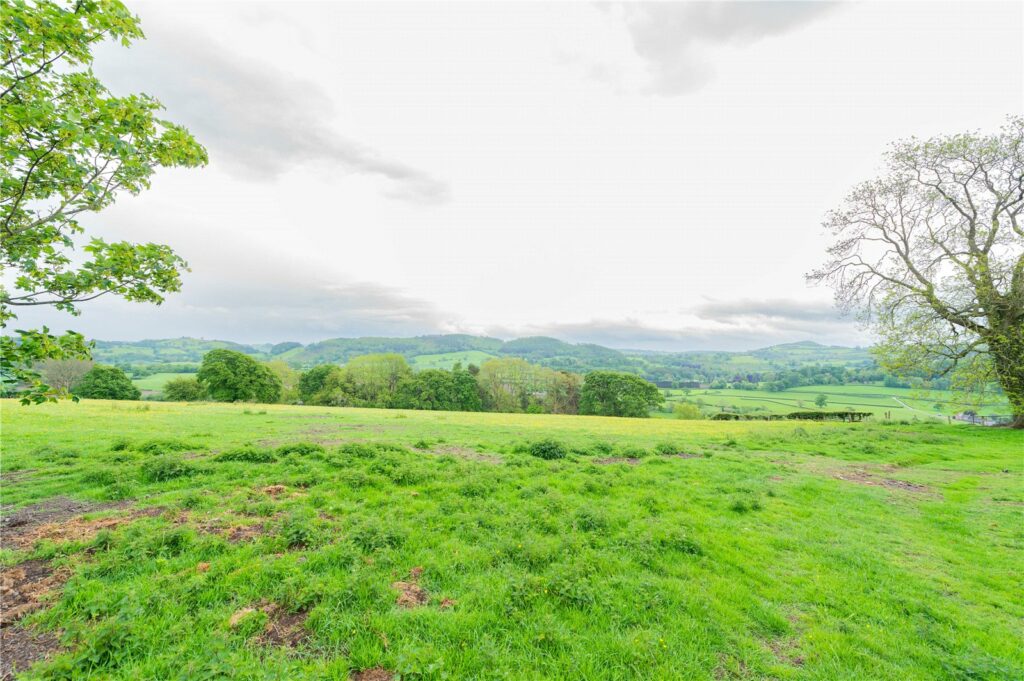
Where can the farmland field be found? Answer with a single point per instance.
(447, 360)
(901, 403)
(154, 383)
(171, 541)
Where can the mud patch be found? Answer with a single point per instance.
(284, 629)
(375, 674)
(70, 529)
(25, 586)
(628, 460)
(21, 648)
(274, 490)
(463, 453)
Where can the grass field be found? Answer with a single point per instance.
(901, 403)
(173, 541)
(154, 383)
(447, 360)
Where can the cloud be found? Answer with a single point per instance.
(778, 309)
(673, 38)
(258, 122)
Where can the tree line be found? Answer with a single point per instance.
(386, 381)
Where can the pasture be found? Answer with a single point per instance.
(900, 403)
(171, 541)
(154, 383)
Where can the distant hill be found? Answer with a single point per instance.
(444, 350)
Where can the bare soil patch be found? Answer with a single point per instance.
(863, 477)
(631, 461)
(274, 490)
(23, 523)
(20, 648)
(286, 629)
(25, 586)
(410, 593)
(375, 674)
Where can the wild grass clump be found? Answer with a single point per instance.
(548, 449)
(300, 448)
(55, 454)
(162, 446)
(166, 467)
(247, 454)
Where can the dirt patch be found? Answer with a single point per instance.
(226, 526)
(24, 587)
(285, 629)
(687, 455)
(375, 674)
(241, 533)
(14, 477)
(274, 490)
(785, 652)
(70, 529)
(25, 520)
(463, 453)
(863, 477)
(628, 460)
(21, 648)
(410, 593)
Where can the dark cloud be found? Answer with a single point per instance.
(779, 309)
(258, 122)
(672, 36)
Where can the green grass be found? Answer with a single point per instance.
(901, 403)
(772, 550)
(447, 360)
(155, 382)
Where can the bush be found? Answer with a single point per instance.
(166, 467)
(686, 412)
(184, 389)
(248, 454)
(106, 383)
(548, 449)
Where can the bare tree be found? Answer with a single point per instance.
(932, 255)
(63, 374)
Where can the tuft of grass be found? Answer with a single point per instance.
(548, 449)
(247, 454)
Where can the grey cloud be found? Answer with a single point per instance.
(671, 37)
(257, 121)
(779, 310)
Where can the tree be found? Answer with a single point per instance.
(376, 377)
(289, 379)
(184, 389)
(820, 401)
(312, 382)
(71, 148)
(932, 254)
(107, 383)
(609, 393)
(63, 374)
(231, 376)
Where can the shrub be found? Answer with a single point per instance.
(166, 467)
(120, 444)
(359, 450)
(184, 389)
(107, 383)
(548, 449)
(666, 448)
(686, 412)
(248, 454)
(162, 446)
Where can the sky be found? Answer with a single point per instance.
(636, 175)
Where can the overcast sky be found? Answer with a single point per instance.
(640, 175)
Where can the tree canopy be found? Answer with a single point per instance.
(609, 393)
(104, 382)
(71, 148)
(230, 376)
(932, 254)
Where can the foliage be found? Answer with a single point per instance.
(932, 253)
(230, 376)
(63, 374)
(548, 449)
(104, 382)
(686, 411)
(607, 393)
(289, 379)
(185, 389)
(313, 382)
(376, 377)
(820, 400)
(436, 389)
(71, 148)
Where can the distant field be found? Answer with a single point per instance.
(903, 403)
(448, 359)
(155, 382)
(191, 541)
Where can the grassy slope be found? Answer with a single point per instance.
(447, 360)
(875, 399)
(750, 561)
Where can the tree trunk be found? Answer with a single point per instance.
(1007, 350)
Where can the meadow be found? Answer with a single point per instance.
(899, 403)
(200, 541)
(154, 383)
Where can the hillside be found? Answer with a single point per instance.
(442, 351)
